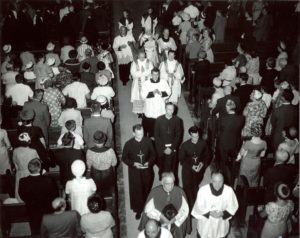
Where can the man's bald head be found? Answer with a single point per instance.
(59, 204)
(281, 156)
(152, 228)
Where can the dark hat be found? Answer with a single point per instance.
(99, 137)
(282, 191)
(27, 115)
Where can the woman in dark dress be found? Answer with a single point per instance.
(100, 161)
(37, 138)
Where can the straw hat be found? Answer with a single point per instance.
(102, 80)
(6, 48)
(29, 65)
(101, 99)
(50, 46)
(50, 61)
(83, 40)
(217, 82)
(282, 191)
(203, 15)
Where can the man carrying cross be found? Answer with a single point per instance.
(139, 155)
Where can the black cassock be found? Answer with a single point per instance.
(140, 180)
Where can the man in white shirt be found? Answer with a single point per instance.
(228, 74)
(19, 92)
(77, 90)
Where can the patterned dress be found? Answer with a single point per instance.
(255, 113)
(4, 158)
(276, 223)
(54, 98)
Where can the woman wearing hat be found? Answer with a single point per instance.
(255, 112)
(206, 41)
(22, 155)
(278, 213)
(41, 70)
(105, 109)
(103, 89)
(184, 27)
(251, 153)
(100, 161)
(79, 188)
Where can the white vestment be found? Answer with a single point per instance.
(206, 202)
(154, 103)
(124, 55)
(140, 72)
(172, 72)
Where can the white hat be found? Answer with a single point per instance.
(203, 15)
(50, 46)
(83, 40)
(50, 61)
(101, 99)
(185, 16)
(217, 82)
(102, 80)
(78, 168)
(6, 48)
(29, 65)
(90, 1)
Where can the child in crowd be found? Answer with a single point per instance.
(78, 141)
(105, 56)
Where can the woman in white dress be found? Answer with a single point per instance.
(80, 188)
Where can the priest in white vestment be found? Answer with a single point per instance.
(172, 72)
(154, 92)
(140, 71)
(122, 46)
(215, 205)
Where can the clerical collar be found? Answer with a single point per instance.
(165, 40)
(152, 81)
(214, 191)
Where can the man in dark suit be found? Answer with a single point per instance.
(280, 172)
(41, 112)
(96, 122)
(244, 90)
(282, 117)
(220, 107)
(38, 192)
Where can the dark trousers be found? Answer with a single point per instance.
(104, 180)
(190, 182)
(124, 71)
(168, 163)
(148, 125)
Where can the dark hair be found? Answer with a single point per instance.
(288, 95)
(96, 107)
(38, 92)
(137, 127)
(288, 133)
(155, 69)
(104, 45)
(39, 55)
(76, 76)
(228, 62)
(70, 124)
(19, 78)
(34, 166)
(244, 77)
(171, 51)
(95, 203)
(67, 139)
(72, 54)
(71, 103)
(86, 66)
(194, 130)
(101, 65)
(215, 169)
(271, 62)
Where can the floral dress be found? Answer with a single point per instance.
(54, 98)
(206, 46)
(276, 223)
(255, 113)
(4, 158)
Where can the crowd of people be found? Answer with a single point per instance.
(248, 115)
